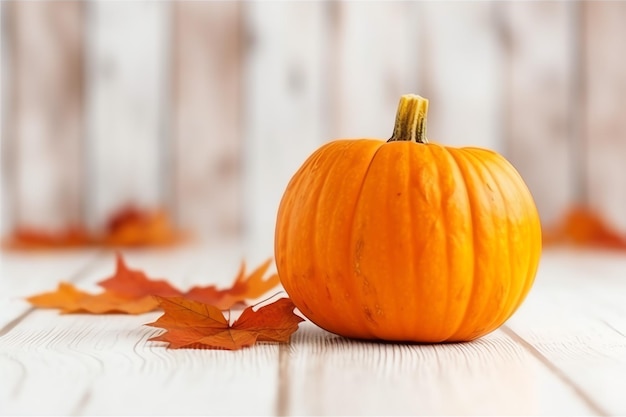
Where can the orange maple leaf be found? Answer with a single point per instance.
(244, 287)
(136, 284)
(66, 296)
(132, 292)
(69, 299)
(190, 323)
(583, 227)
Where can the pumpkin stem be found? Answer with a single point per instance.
(411, 119)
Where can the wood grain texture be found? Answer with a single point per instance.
(574, 317)
(563, 355)
(330, 375)
(605, 126)
(126, 70)
(207, 68)
(44, 117)
(85, 365)
(26, 273)
(537, 40)
(284, 105)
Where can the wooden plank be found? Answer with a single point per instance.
(330, 375)
(605, 126)
(284, 105)
(44, 115)
(127, 75)
(84, 365)
(567, 343)
(76, 364)
(538, 45)
(372, 63)
(207, 110)
(461, 66)
(421, 53)
(573, 320)
(4, 200)
(26, 273)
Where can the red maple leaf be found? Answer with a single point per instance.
(131, 291)
(244, 288)
(135, 283)
(190, 323)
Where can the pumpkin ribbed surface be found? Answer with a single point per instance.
(407, 241)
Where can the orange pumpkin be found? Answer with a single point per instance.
(407, 240)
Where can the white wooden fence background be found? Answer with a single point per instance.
(208, 108)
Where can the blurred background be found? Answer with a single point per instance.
(206, 109)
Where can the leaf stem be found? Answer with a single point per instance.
(267, 299)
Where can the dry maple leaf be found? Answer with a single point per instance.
(69, 299)
(583, 227)
(132, 292)
(245, 287)
(190, 323)
(126, 291)
(66, 296)
(135, 284)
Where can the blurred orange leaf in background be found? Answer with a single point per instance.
(30, 238)
(134, 227)
(581, 226)
(190, 323)
(127, 227)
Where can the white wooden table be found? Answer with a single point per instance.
(562, 353)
